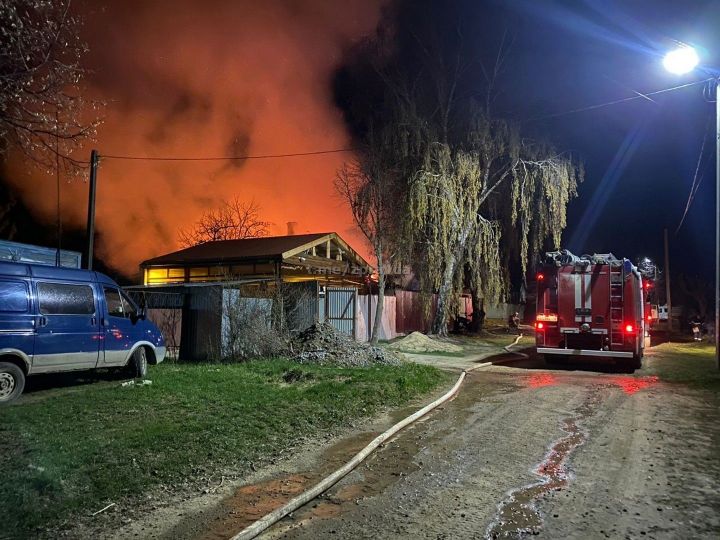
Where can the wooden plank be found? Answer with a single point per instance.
(309, 245)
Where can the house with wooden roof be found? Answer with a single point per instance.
(201, 281)
(305, 257)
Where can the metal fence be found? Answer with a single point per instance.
(339, 308)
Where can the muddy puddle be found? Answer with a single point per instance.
(251, 502)
(517, 515)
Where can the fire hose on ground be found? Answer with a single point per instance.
(253, 530)
(507, 348)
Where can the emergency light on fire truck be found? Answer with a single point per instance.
(590, 305)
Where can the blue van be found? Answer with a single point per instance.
(61, 319)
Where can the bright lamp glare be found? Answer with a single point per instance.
(681, 61)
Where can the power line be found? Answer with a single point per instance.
(697, 179)
(342, 150)
(617, 101)
(229, 158)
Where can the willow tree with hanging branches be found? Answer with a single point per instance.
(456, 201)
(479, 197)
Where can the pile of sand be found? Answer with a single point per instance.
(323, 344)
(417, 343)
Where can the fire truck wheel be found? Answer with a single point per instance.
(637, 357)
(553, 359)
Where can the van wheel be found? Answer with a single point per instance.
(12, 382)
(137, 366)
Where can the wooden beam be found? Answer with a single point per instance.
(347, 250)
(327, 249)
(305, 247)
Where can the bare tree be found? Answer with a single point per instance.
(234, 220)
(370, 186)
(168, 321)
(261, 323)
(43, 112)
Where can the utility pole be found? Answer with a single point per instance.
(667, 284)
(717, 222)
(58, 259)
(94, 158)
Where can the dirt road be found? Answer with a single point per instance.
(524, 450)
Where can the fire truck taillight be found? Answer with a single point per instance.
(539, 325)
(540, 276)
(629, 328)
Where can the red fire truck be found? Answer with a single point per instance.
(590, 306)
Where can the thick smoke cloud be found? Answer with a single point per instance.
(210, 78)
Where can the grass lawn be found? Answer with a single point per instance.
(691, 363)
(73, 450)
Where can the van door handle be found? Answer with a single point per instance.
(93, 320)
(42, 321)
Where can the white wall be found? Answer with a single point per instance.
(387, 329)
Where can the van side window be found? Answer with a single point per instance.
(118, 304)
(13, 297)
(65, 299)
(114, 304)
(129, 306)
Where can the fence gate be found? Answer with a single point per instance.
(340, 308)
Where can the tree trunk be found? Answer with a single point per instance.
(439, 325)
(381, 297)
(478, 314)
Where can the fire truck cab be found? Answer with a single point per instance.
(590, 306)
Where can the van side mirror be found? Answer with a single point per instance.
(139, 316)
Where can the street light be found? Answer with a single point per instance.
(680, 61)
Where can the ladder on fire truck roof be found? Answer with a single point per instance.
(617, 280)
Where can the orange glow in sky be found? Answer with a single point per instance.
(188, 78)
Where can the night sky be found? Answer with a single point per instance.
(234, 78)
(640, 156)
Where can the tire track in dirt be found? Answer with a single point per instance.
(518, 515)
